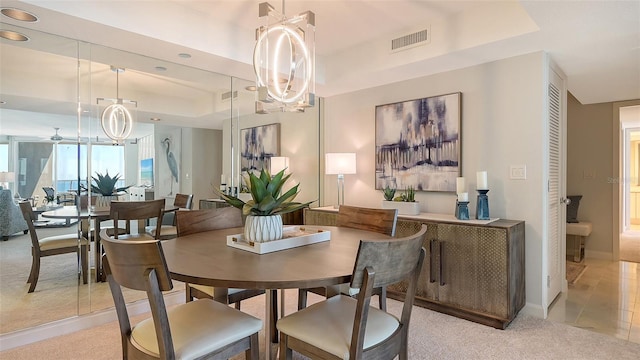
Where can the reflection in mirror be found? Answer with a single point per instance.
(192, 116)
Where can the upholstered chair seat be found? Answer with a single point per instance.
(197, 328)
(337, 314)
(60, 241)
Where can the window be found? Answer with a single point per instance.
(104, 158)
(4, 157)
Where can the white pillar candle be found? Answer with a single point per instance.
(222, 179)
(460, 185)
(463, 196)
(482, 180)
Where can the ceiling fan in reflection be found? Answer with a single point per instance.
(58, 138)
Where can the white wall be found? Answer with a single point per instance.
(502, 125)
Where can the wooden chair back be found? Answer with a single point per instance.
(139, 265)
(378, 264)
(378, 220)
(183, 201)
(392, 260)
(136, 210)
(195, 221)
(130, 262)
(30, 217)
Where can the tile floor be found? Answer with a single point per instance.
(605, 299)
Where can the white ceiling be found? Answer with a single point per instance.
(596, 43)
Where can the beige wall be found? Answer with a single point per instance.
(590, 170)
(503, 112)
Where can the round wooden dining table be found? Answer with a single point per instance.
(206, 259)
(71, 212)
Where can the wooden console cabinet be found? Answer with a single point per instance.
(473, 269)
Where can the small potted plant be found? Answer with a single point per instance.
(105, 187)
(267, 204)
(405, 203)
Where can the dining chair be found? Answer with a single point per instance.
(86, 224)
(169, 231)
(52, 245)
(382, 221)
(136, 210)
(194, 330)
(342, 327)
(196, 221)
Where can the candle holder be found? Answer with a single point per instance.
(462, 210)
(482, 205)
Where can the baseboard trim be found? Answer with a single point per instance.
(533, 310)
(599, 255)
(77, 323)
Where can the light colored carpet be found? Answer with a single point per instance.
(432, 336)
(574, 271)
(59, 293)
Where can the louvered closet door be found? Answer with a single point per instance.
(555, 189)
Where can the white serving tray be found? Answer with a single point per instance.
(292, 236)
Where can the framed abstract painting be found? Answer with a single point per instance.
(257, 146)
(418, 143)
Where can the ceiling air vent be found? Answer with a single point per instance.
(418, 38)
(227, 95)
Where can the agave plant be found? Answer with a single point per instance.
(265, 195)
(389, 193)
(105, 185)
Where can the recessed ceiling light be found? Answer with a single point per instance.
(184, 55)
(19, 15)
(161, 68)
(12, 35)
(155, 119)
(251, 88)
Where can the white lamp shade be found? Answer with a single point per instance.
(7, 176)
(279, 163)
(340, 163)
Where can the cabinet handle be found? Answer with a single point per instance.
(432, 279)
(442, 264)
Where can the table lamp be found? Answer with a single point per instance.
(340, 164)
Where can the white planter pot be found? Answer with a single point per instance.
(404, 208)
(263, 228)
(103, 203)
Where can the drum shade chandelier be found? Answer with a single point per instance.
(284, 61)
(116, 120)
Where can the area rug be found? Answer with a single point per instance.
(574, 271)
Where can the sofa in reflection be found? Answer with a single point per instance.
(11, 220)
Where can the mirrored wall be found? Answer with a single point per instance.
(54, 90)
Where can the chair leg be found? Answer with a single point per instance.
(84, 253)
(382, 298)
(35, 272)
(285, 352)
(254, 350)
(274, 315)
(237, 305)
(187, 290)
(302, 299)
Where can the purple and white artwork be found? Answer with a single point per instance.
(418, 143)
